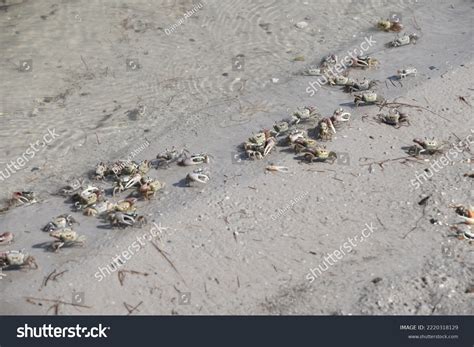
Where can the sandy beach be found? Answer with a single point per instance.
(119, 79)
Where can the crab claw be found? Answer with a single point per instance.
(6, 238)
(329, 122)
(341, 116)
(197, 177)
(271, 142)
(277, 168)
(133, 181)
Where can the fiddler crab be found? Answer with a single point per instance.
(368, 98)
(127, 168)
(361, 86)
(6, 238)
(390, 25)
(329, 60)
(323, 68)
(325, 129)
(406, 72)
(195, 159)
(298, 139)
(87, 197)
(280, 128)
(66, 238)
(124, 219)
(126, 205)
(319, 154)
(341, 80)
(198, 176)
(23, 198)
(17, 259)
(404, 40)
(260, 145)
(149, 186)
(169, 156)
(426, 146)
(393, 118)
(364, 62)
(126, 182)
(304, 114)
(466, 213)
(327, 126)
(312, 71)
(62, 221)
(101, 170)
(71, 189)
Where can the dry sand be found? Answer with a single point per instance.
(229, 255)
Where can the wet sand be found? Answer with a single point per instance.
(229, 249)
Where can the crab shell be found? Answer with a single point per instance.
(404, 40)
(258, 139)
(150, 187)
(391, 118)
(296, 135)
(64, 235)
(281, 127)
(144, 167)
(367, 97)
(323, 153)
(16, 258)
(98, 208)
(427, 144)
(126, 205)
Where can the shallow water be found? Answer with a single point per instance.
(79, 82)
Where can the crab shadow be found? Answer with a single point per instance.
(46, 246)
(350, 104)
(181, 183)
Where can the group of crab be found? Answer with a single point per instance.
(289, 133)
(16, 259)
(129, 175)
(364, 95)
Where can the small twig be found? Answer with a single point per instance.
(463, 99)
(417, 222)
(84, 62)
(32, 300)
(381, 162)
(380, 222)
(131, 308)
(121, 274)
(97, 137)
(167, 259)
(415, 24)
(52, 276)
